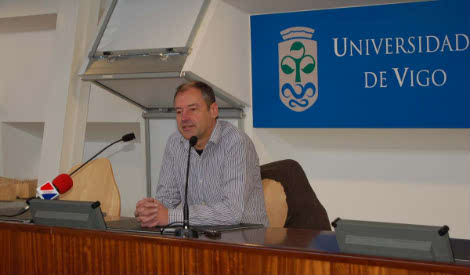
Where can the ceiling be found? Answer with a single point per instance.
(277, 6)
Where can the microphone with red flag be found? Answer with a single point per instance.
(63, 182)
(51, 190)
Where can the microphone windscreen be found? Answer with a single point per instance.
(192, 141)
(63, 183)
(128, 137)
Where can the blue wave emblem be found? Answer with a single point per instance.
(299, 97)
(294, 103)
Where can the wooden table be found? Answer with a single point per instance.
(34, 249)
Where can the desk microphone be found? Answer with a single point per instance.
(186, 231)
(63, 182)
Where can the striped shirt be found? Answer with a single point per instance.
(224, 181)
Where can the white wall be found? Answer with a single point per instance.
(25, 71)
(14, 8)
(27, 49)
(417, 176)
(22, 143)
(126, 159)
(225, 63)
(109, 118)
(29, 60)
(106, 107)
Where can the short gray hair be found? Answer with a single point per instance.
(206, 90)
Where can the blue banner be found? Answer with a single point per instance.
(390, 66)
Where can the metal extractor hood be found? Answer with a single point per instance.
(140, 50)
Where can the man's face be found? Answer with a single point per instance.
(193, 116)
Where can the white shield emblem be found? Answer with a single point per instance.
(298, 69)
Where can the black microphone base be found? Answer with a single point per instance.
(186, 233)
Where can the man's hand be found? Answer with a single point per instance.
(150, 212)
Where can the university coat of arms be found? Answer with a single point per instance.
(298, 69)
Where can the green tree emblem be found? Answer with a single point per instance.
(297, 46)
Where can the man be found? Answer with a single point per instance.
(224, 181)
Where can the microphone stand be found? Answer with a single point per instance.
(124, 138)
(186, 231)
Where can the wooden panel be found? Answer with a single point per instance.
(7, 191)
(12, 188)
(30, 249)
(95, 182)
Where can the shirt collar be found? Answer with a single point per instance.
(215, 136)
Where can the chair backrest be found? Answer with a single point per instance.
(95, 182)
(276, 203)
(304, 210)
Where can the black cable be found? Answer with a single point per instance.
(26, 208)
